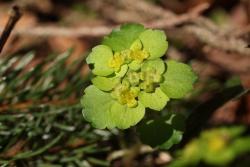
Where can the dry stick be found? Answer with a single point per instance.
(191, 16)
(103, 30)
(227, 44)
(179, 19)
(15, 15)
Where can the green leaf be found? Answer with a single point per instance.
(156, 100)
(154, 132)
(156, 64)
(163, 132)
(155, 42)
(122, 71)
(134, 65)
(121, 39)
(96, 107)
(241, 145)
(124, 116)
(108, 83)
(100, 57)
(102, 111)
(219, 158)
(179, 79)
(178, 124)
(175, 138)
(104, 83)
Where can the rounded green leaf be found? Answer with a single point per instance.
(104, 83)
(102, 111)
(156, 100)
(100, 57)
(154, 42)
(96, 107)
(161, 132)
(122, 38)
(178, 79)
(157, 64)
(124, 116)
(155, 132)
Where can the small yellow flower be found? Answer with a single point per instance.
(139, 55)
(216, 143)
(147, 86)
(126, 95)
(133, 78)
(137, 45)
(117, 61)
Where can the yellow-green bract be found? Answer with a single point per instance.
(214, 147)
(130, 76)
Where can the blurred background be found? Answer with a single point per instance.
(43, 74)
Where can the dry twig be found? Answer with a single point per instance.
(221, 42)
(103, 30)
(15, 15)
(201, 28)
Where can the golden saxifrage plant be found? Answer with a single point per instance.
(130, 76)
